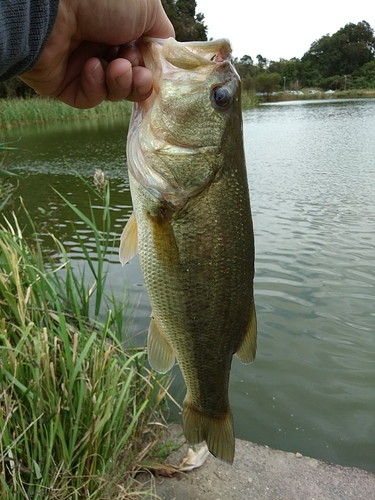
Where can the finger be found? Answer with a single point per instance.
(142, 84)
(127, 82)
(119, 79)
(132, 53)
(87, 89)
(83, 83)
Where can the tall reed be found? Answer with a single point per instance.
(249, 100)
(15, 112)
(6, 188)
(77, 410)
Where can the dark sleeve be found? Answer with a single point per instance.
(25, 26)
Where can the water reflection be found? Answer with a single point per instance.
(81, 145)
(311, 175)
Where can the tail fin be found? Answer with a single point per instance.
(216, 431)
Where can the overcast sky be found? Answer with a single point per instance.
(277, 29)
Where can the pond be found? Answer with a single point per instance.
(311, 170)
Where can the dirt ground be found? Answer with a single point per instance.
(260, 473)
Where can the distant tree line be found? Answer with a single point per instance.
(344, 60)
(188, 26)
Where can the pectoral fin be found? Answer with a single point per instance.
(248, 347)
(129, 240)
(164, 240)
(160, 353)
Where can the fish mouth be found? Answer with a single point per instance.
(167, 56)
(189, 55)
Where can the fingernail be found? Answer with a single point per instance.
(98, 72)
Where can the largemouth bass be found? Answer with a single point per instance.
(192, 225)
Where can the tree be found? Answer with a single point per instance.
(262, 62)
(365, 76)
(344, 52)
(245, 67)
(187, 23)
(246, 60)
(267, 82)
(287, 69)
(248, 83)
(308, 74)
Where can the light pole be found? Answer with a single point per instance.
(344, 83)
(284, 82)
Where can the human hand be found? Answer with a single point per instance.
(89, 56)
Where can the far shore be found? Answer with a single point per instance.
(40, 110)
(314, 94)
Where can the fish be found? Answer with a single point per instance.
(192, 227)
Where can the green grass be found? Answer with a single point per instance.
(249, 100)
(355, 93)
(78, 411)
(15, 112)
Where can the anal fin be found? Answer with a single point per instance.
(129, 240)
(159, 351)
(248, 347)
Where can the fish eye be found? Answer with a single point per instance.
(220, 96)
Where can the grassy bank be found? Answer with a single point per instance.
(77, 410)
(15, 112)
(356, 93)
(338, 94)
